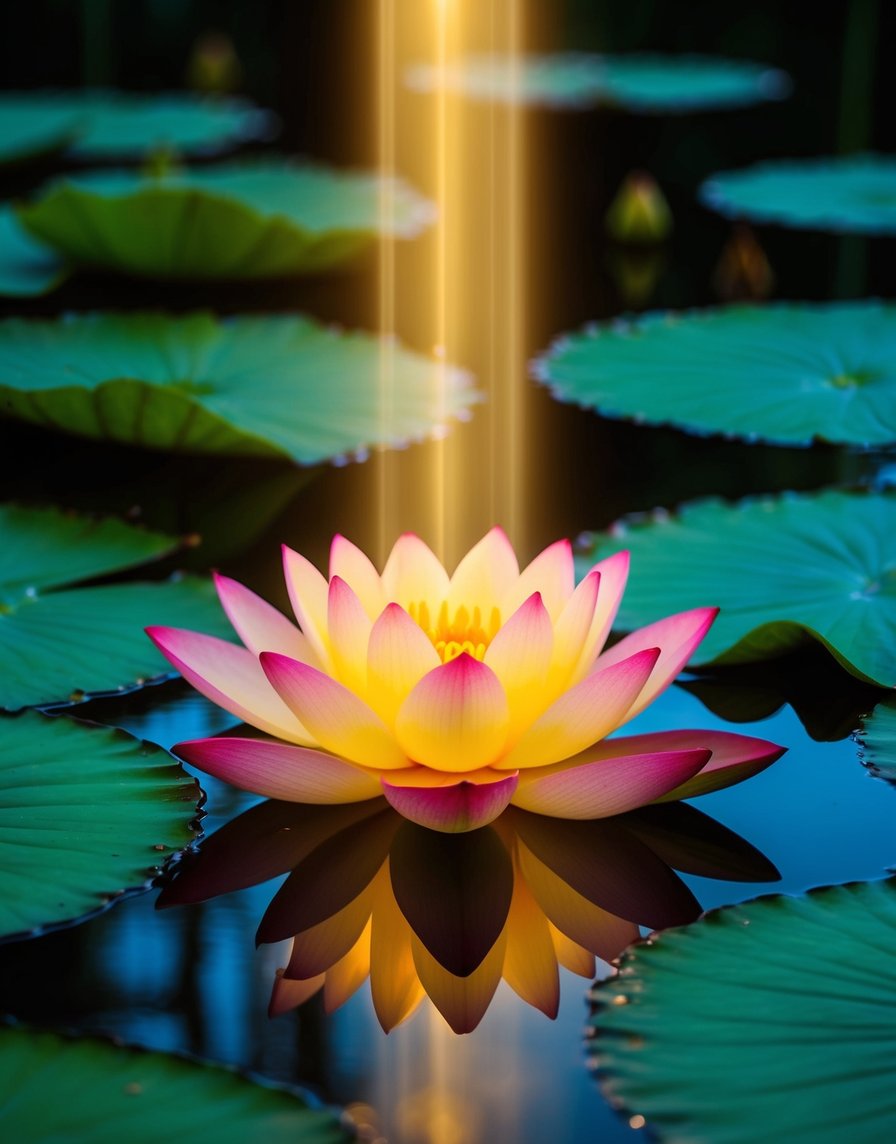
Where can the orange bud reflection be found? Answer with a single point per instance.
(743, 272)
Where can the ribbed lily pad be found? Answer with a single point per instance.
(773, 1020)
(649, 84)
(877, 740)
(59, 1088)
(851, 193)
(59, 642)
(783, 569)
(27, 267)
(271, 386)
(264, 219)
(101, 124)
(790, 374)
(85, 814)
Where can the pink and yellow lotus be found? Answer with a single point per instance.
(453, 696)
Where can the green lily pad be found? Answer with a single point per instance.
(648, 84)
(46, 548)
(790, 374)
(27, 267)
(784, 570)
(60, 643)
(99, 124)
(774, 1020)
(851, 193)
(85, 814)
(32, 127)
(262, 219)
(877, 740)
(73, 1089)
(271, 386)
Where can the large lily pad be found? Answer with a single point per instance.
(790, 374)
(877, 740)
(273, 386)
(99, 124)
(58, 642)
(851, 193)
(783, 569)
(773, 1020)
(262, 219)
(27, 267)
(85, 814)
(56, 1087)
(649, 84)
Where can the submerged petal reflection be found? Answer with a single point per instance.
(424, 913)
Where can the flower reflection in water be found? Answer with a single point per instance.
(424, 913)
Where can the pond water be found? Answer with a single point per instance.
(190, 978)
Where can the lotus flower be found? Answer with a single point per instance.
(452, 695)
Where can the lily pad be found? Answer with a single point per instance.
(98, 124)
(270, 386)
(105, 1092)
(27, 267)
(770, 1020)
(85, 814)
(33, 128)
(789, 374)
(877, 740)
(60, 643)
(784, 570)
(262, 219)
(648, 84)
(851, 193)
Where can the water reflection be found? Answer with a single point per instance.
(420, 913)
(829, 701)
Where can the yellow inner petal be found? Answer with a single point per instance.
(452, 635)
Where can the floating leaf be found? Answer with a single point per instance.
(772, 1019)
(272, 386)
(101, 124)
(877, 739)
(789, 374)
(57, 644)
(45, 548)
(849, 193)
(85, 813)
(649, 84)
(262, 219)
(783, 569)
(33, 127)
(77, 1089)
(27, 267)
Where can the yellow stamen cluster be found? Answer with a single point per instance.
(451, 636)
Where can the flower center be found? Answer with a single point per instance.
(451, 636)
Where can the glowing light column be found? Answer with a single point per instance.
(460, 293)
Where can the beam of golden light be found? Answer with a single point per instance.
(460, 294)
(386, 293)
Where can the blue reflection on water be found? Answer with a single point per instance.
(191, 978)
